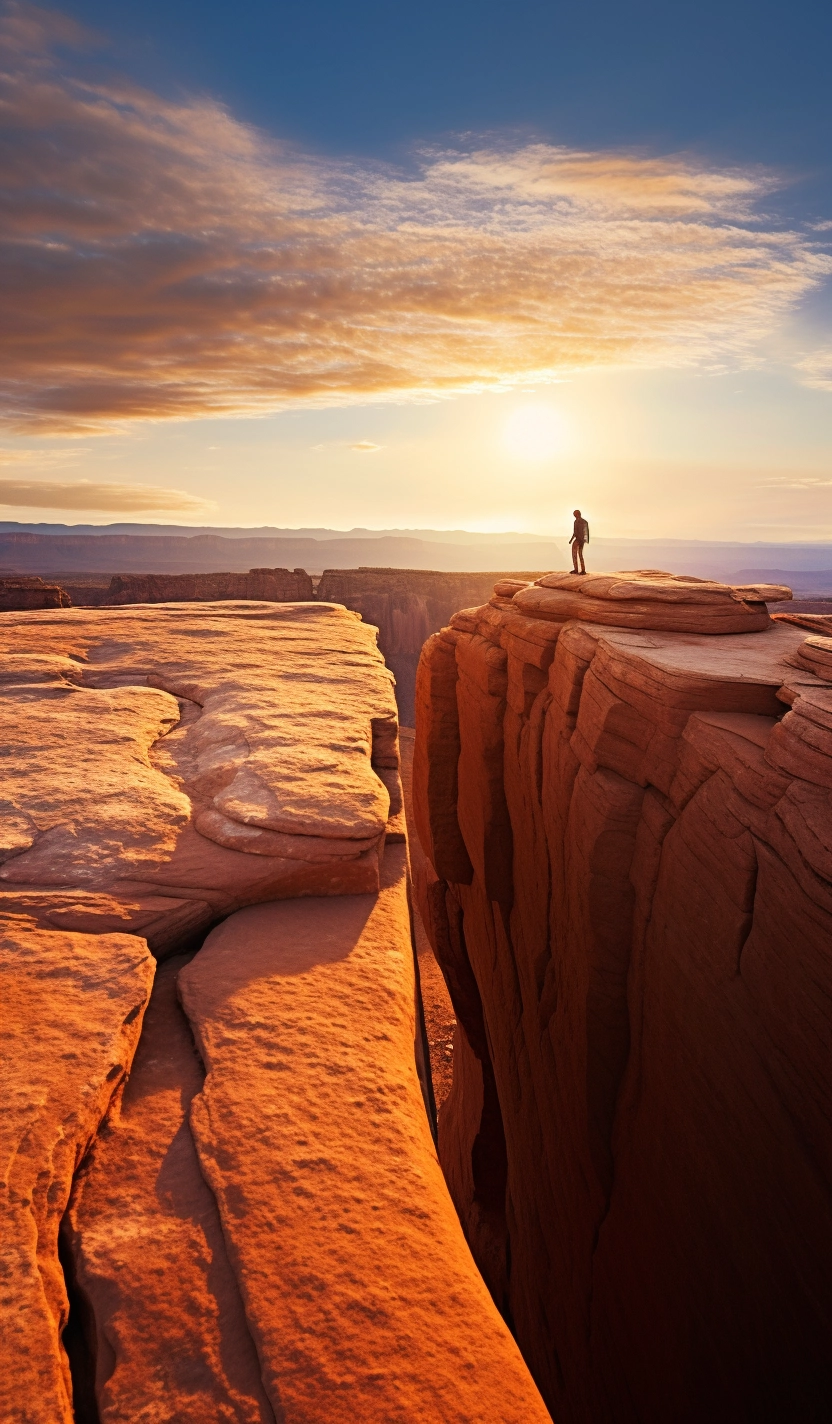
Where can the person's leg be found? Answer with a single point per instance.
(575, 557)
(580, 549)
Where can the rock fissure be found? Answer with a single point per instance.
(226, 1200)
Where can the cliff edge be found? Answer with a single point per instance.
(622, 785)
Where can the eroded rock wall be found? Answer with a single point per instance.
(631, 896)
(271, 585)
(406, 605)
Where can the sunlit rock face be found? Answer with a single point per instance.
(627, 817)
(406, 605)
(221, 1198)
(166, 766)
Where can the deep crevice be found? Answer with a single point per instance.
(79, 1340)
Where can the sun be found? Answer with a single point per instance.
(535, 432)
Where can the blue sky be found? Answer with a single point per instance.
(546, 157)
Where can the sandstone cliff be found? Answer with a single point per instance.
(623, 784)
(406, 605)
(271, 585)
(221, 1199)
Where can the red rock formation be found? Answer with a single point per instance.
(253, 767)
(406, 605)
(356, 1279)
(266, 585)
(272, 1239)
(72, 1013)
(638, 953)
(17, 594)
(167, 1333)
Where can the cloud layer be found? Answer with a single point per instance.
(105, 498)
(162, 260)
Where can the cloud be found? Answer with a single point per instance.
(816, 369)
(107, 498)
(163, 260)
(365, 447)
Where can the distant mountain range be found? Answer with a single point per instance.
(71, 550)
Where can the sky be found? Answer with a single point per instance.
(451, 266)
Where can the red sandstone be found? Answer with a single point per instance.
(631, 898)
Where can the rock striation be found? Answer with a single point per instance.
(221, 1198)
(622, 786)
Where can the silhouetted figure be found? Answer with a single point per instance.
(580, 536)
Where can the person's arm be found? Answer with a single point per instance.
(587, 533)
(572, 540)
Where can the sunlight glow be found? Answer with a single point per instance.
(536, 432)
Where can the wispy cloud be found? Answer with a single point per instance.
(165, 260)
(816, 369)
(365, 447)
(105, 498)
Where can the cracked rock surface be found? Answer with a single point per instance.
(165, 765)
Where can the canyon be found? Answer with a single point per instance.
(622, 789)
(227, 1194)
(221, 1196)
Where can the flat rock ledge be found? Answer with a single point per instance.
(221, 1197)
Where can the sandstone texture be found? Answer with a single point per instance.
(264, 585)
(629, 889)
(167, 1336)
(406, 605)
(358, 1286)
(165, 766)
(221, 1199)
(72, 1008)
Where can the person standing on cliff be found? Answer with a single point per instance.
(580, 536)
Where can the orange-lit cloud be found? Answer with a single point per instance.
(105, 498)
(164, 260)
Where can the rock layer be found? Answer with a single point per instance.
(631, 898)
(310, 1128)
(167, 765)
(72, 1013)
